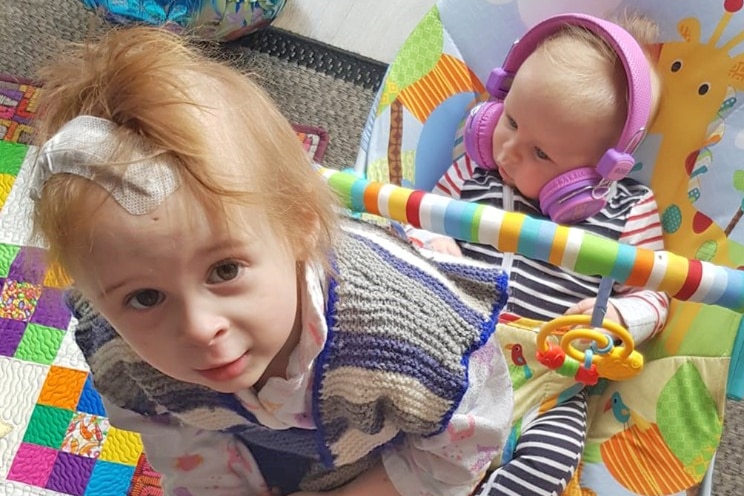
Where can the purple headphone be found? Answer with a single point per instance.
(580, 193)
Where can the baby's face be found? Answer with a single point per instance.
(208, 302)
(538, 137)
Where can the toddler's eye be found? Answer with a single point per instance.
(145, 298)
(223, 272)
(512, 123)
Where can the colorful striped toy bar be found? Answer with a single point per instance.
(569, 247)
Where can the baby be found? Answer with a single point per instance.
(577, 95)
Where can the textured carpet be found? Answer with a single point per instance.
(313, 85)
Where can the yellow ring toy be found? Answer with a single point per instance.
(614, 362)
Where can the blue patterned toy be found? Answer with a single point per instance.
(210, 19)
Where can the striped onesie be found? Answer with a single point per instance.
(548, 451)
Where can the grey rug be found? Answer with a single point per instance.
(335, 95)
(313, 85)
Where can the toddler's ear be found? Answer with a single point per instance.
(306, 243)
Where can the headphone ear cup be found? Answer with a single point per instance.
(478, 136)
(572, 196)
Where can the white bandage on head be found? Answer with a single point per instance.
(85, 146)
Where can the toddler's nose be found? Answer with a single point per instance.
(203, 328)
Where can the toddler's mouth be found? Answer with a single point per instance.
(226, 371)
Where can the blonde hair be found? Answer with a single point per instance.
(156, 86)
(591, 77)
(646, 32)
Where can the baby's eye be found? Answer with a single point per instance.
(226, 271)
(541, 154)
(512, 123)
(145, 298)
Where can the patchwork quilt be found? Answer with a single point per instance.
(55, 438)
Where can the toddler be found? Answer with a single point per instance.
(259, 344)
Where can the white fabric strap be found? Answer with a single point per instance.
(85, 146)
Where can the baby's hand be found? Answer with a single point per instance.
(443, 244)
(586, 307)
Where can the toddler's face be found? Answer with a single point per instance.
(211, 303)
(537, 136)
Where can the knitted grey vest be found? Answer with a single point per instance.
(401, 332)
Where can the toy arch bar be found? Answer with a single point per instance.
(568, 247)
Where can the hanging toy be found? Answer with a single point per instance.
(603, 357)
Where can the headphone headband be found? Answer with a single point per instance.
(629, 52)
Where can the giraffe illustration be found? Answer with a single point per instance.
(699, 77)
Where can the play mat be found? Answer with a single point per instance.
(54, 435)
(664, 439)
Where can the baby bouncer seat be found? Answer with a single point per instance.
(689, 159)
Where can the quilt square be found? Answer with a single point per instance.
(90, 401)
(11, 157)
(62, 387)
(11, 333)
(122, 447)
(110, 479)
(18, 299)
(56, 278)
(39, 344)
(20, 385)
(18, 103)
(28, 266)
(85, 435)
(69, 354)
(47, 426)
(70, 474)
(6, 184)
(51, 310)
(146, 481)
(7, 255)
(32, 464)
